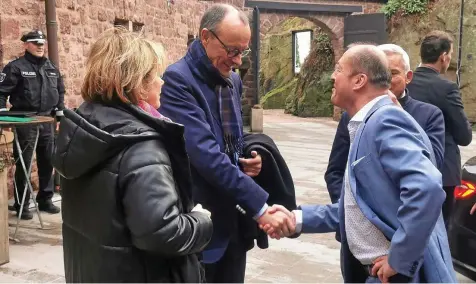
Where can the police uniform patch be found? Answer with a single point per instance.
(28, 74)
(2, 77)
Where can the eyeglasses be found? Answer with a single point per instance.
(231, 52)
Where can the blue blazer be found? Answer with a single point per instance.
(398, 188)
(188, 97)
(429, 117)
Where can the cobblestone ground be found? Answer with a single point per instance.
(304, 142)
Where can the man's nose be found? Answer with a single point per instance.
(333, 77)
(237, 60)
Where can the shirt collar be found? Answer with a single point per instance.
(404, 94)
(362, 113)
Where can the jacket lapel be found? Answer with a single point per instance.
(355, 147)
(209, 77)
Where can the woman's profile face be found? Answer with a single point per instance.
(153, 91)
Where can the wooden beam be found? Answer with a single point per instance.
(303, 7)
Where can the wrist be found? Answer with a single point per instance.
(261, 212)
(298, 220)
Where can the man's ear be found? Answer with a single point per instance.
(443, 57)
(409, 77)
(205, 36)
(360, 81)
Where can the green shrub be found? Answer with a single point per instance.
(406, 7)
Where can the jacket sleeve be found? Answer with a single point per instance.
(455, 117)
(178, 103)
(435, 129)
(61, 91)
(338, 159)
(156, 222)
(8, 82)
(406, 159)
(320, 218)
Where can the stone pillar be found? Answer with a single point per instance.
(257, 119)
(4, 232)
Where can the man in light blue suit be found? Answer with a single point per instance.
(389, 213)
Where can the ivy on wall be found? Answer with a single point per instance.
(406, 7)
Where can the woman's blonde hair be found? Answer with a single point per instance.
(119, 63)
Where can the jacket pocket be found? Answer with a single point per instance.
(361, 162)
(52, 76)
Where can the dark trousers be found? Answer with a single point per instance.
(448, 204)
(231, 267)
(44, 152)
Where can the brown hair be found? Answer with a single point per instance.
(119, 63)
(434, 44)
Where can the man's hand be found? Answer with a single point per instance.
(382, 269)
(276, 223)
(290, 224)
(199, 208)
(473, 209)
(252, 166)
(393, 98)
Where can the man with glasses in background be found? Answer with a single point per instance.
(202, 93)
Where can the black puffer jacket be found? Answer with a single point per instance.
(126, 198)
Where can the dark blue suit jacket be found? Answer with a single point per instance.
(429, 117)
(428, 86)
(188, 98)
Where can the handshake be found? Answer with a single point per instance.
(278, 222)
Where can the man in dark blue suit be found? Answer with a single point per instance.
(202, 93)
(429, 117)
(430, 87)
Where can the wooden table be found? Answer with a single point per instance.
(4, 232)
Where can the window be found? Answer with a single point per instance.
(137, 27)
(301, 48)
(131, 26)
(122, 23)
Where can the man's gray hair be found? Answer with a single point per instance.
(215, 15)
(393, 48)
(371, 61)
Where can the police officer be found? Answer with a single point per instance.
(33, 83)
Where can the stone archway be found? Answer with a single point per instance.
(329, 17)
(331, 24)
(278, 76)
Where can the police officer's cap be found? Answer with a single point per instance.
(35, 36)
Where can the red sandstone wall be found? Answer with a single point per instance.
(80, 21)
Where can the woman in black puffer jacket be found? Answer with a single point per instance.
(128, 214)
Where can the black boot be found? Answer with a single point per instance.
(48, 207)
(26, 214)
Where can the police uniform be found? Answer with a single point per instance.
(34, 84)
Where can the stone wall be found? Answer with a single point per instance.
(408, 32)
(166, 21)
(81, 21)
(331, 24)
